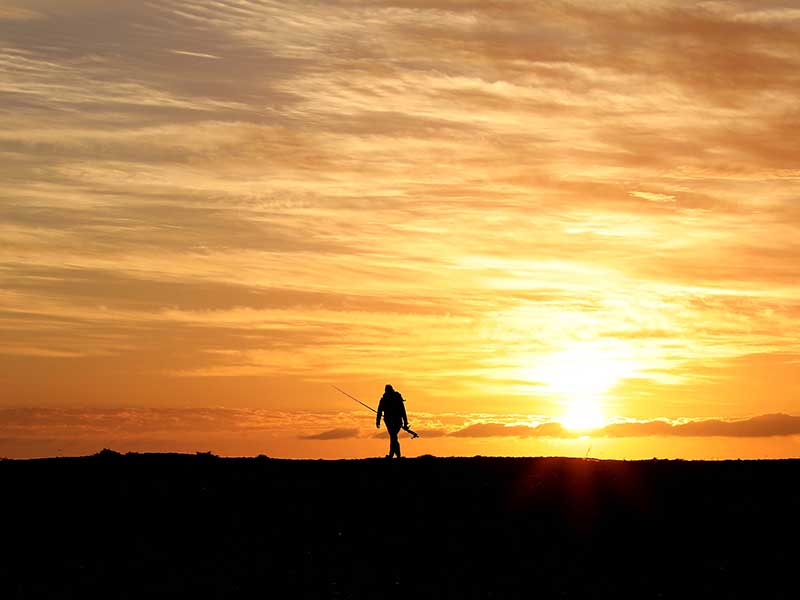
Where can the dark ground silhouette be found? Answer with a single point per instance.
(185, 526)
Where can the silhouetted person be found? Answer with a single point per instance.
(393, 410)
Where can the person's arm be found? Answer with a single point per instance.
(378, 415)
(403, 413)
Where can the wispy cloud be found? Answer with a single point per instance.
(504, 430)
(760, 426)
(341, 433)
(17, 13)
(196, 54)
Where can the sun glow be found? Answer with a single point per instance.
(583, 416)
(581, 377)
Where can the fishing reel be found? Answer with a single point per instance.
(413, 434)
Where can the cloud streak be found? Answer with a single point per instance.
(340, 433)
(775, 425)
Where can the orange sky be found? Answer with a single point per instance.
(524, 215)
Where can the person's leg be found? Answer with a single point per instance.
(392, 434)
(394, 444)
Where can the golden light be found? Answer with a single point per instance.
(583, 416)
(581, 376)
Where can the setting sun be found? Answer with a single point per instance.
(580, 378)
(583, 416)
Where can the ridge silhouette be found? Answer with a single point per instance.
(196, 526)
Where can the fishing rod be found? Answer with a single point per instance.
(405, 427)
(354, 398)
